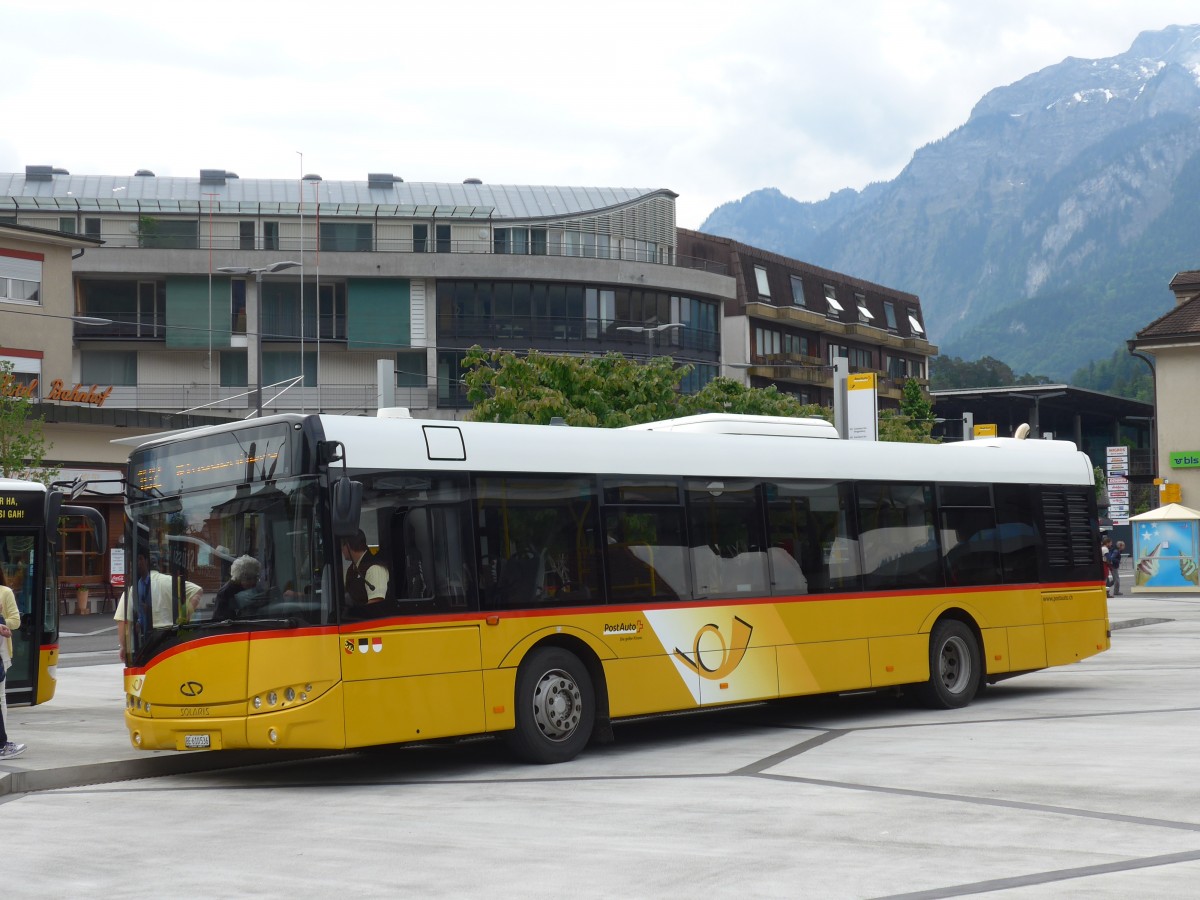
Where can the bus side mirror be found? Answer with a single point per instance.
(347, 504)
(94, 518)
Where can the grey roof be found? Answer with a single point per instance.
(146, 193)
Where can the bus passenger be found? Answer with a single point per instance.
(366, 578)
(10, 621)
(152, 604)
(243, 576)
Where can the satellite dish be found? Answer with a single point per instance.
(1022, 431)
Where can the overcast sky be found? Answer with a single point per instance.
(710, 99)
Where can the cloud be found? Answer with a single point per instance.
(708, 100)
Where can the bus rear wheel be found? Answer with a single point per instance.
(555, 707)
(955, 667)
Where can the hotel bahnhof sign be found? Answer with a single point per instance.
(1186, 459)
(92, 396)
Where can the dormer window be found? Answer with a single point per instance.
(916, 326)
(760, 279)
(864, 314)
(835, 308)
(889, 314)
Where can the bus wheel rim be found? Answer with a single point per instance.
(557, 705)
(954, 665)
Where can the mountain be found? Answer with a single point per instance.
(1044, 230)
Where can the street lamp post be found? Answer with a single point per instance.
(258, 357)
(650, 331)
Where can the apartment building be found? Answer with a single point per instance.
(788, 321)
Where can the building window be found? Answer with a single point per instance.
(284, 365)
(864, 315)
(915, 325)
(411, 369)
(66, 224)
(519, 241)
(91, 228)
(115, 367)
(420, 239)
(760, 280)
(20, 277)
(860, 360)
(234, 368)
(168, 234)
(245, 235)
(442, 236)
(834, 308)
(237, 293)
(510, 240)
(797, 291)
(889, 313)
(270, 235)
(355, 237)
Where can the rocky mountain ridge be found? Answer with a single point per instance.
(1044, 230)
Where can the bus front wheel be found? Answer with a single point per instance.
(955, 667)
(555, 707)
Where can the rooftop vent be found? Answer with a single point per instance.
(231, 174)
(58, 171)
(212, 176)
(143, 173)
(312, 176)
(381, 179)
(472, 181)
(39, 173)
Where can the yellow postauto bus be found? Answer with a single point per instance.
(29, 536)
(543, 582)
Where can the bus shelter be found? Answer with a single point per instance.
(1166, 556)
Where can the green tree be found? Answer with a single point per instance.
(913, 423)
(23, 446)
(607, 391)
(727, 395)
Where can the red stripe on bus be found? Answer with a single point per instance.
(230, 639)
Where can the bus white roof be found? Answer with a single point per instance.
(426, 444)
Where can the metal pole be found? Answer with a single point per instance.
(258, 354)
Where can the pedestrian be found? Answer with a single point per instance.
(12, 621)
(1114, 566)
(1105, 553)
(148, 604)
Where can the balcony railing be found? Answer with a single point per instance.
(130, 326)
(125, 239)
(238, 401)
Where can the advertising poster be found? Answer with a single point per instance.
(1165, 554)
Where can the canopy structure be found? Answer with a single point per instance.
(1166, 552)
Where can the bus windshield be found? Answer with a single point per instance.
(228, 558)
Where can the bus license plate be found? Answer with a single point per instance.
(197, 741)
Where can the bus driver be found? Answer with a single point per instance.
(366, 578)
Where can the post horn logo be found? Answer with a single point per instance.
(191, 689)
(731, 655)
